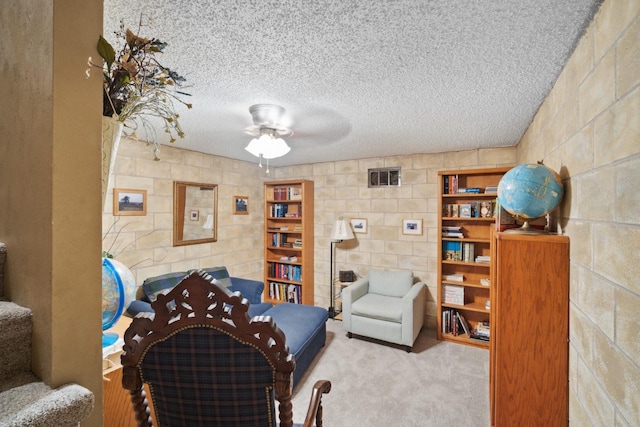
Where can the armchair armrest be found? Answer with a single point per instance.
(314, 412)
(350, 294)
(413, 312)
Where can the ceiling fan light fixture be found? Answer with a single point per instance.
(267, 131)
(268, 147)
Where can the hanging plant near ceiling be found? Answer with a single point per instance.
(138, 89)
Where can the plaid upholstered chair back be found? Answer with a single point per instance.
(207, 364)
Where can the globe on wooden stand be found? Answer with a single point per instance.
(528, 192)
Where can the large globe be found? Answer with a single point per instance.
(118, 290)
(530, 191)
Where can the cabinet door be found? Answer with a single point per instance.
(531, 350)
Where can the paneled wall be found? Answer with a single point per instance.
(588, 129)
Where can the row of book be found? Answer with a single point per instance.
(284, 240)
(483, 209)
(451, 187)
(285, 292)
(458, 251)
(454, 323)
(285, 210)
(285, 271)
(284, 193)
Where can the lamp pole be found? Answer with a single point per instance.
(332, 310)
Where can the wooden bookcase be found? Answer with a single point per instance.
(469, 297)
(529, 357)
(288, 257)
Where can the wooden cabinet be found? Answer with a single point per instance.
(465, 219)
(288, 269)
(529, 330)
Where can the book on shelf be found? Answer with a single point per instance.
(465, 210)
(483, 258)
(295, 193)
(456, 277)
(456, 234)
(473, 190)
(451, 250)
(491, 189)
(289, 258)
(453, 294)
(463, 323)
(468, 252)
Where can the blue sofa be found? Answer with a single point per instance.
(304, 326)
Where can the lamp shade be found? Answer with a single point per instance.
(341, 231)
(208, 225)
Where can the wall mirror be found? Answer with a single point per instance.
(195, 213)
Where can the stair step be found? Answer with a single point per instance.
(26, 401)
(15, 328)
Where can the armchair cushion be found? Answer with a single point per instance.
(379, 307)
(390, 283)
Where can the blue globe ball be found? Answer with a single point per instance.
(530, 191)
(118, 290)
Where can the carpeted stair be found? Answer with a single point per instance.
(25, 401)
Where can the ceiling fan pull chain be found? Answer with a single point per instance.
(267, 165)
(260, 163)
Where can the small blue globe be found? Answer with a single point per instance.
(530, 191)
(118, 290)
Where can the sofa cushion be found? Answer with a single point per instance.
(219, 273)
(154, 286)
(390, 283)
(375, 306)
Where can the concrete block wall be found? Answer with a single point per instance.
(341, 191)
(145, 243)
(588, 129)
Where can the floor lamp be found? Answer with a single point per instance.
(341, 231)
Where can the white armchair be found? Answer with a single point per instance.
(385, 305)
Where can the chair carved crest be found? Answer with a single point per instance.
(198, 302)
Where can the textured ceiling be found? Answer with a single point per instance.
(360, 79)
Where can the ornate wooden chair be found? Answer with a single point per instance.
(207, 364)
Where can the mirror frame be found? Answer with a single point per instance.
(179, 196)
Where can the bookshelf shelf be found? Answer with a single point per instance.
(466, 255)
(288, 234)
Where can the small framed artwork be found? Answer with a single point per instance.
(240, 205)
(129, 202)
(359, 225)
(194, 215)
(412, 226)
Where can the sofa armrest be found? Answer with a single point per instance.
(350, 294)
(249, 288)
(413, 312)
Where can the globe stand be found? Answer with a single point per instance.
(109, 338)
(525, 229)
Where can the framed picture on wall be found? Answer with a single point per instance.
(240, 205)
(129, 202)
(359, 225)
(412, 226)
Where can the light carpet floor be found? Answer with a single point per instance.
(375, 385)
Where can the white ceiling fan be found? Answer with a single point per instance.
(267, 132)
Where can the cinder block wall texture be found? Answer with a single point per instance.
(588, 129)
